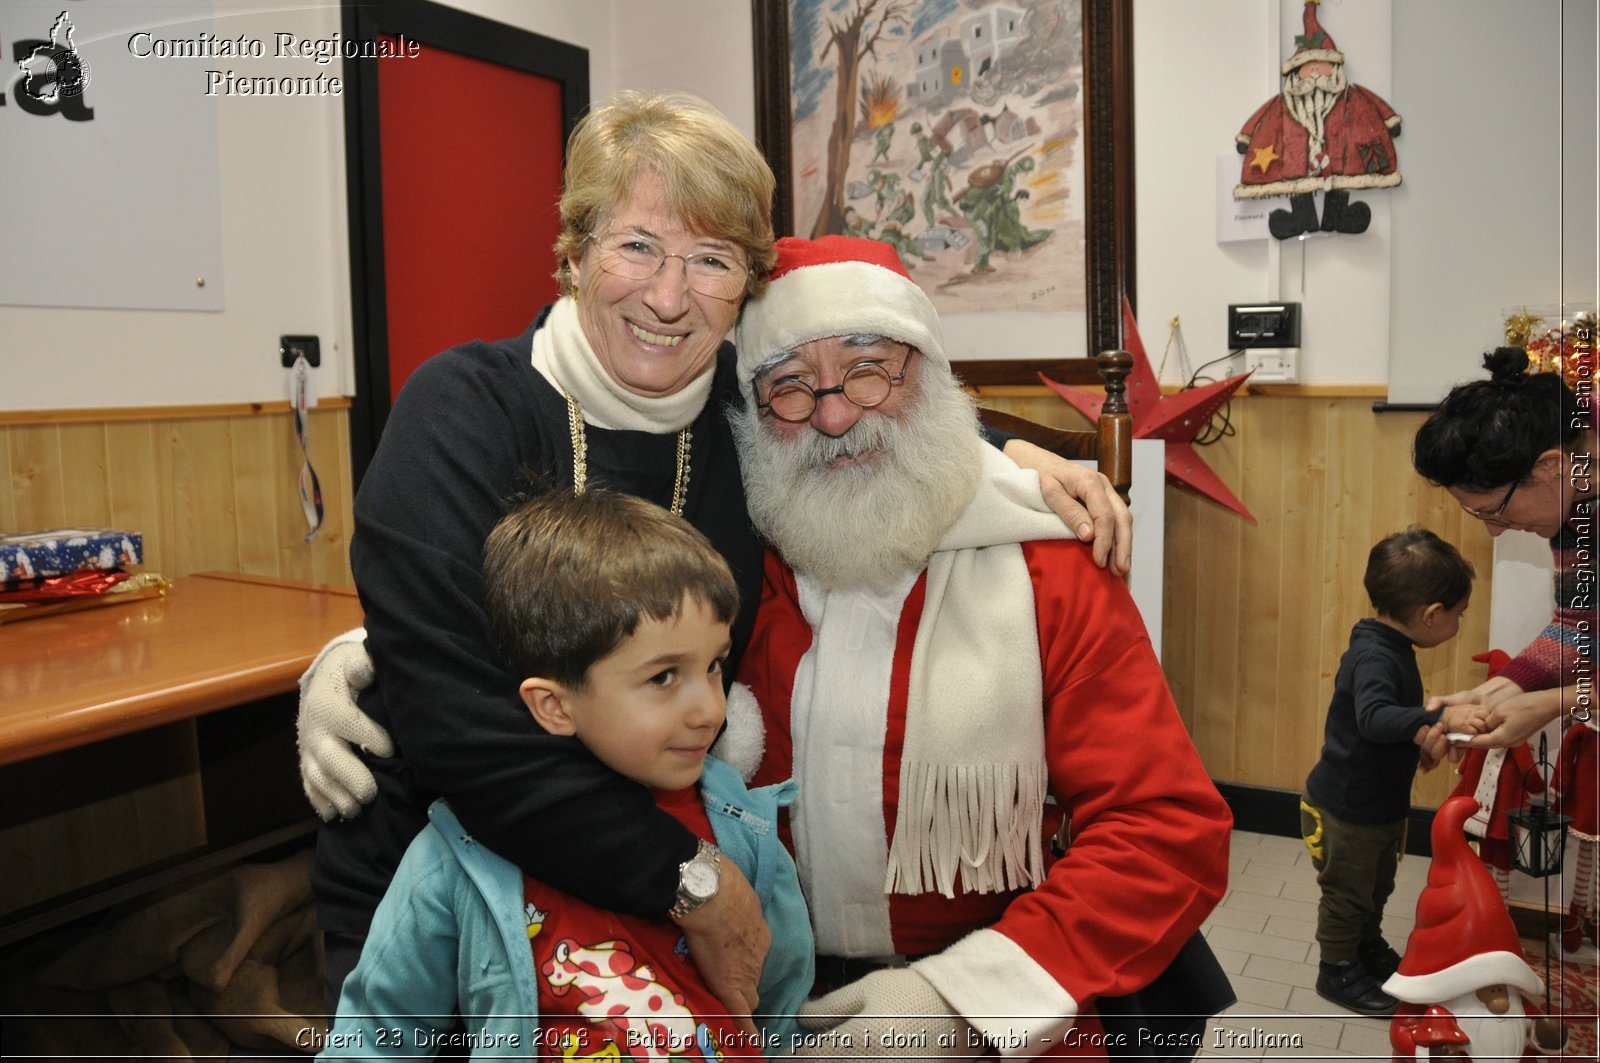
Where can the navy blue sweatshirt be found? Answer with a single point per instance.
(1368, 754)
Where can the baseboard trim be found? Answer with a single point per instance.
(1266, 810)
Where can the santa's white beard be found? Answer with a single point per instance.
(1493, 1036)
(1309, 100)
(864, 525)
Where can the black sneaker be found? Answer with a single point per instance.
(1348, 985)
(1378, 959)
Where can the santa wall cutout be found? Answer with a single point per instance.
(1319, 134)
(1465, 986)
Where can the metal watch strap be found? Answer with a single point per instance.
(685, 903)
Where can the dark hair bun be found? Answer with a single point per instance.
(1506, 363)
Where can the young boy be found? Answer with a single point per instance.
(1353, 814)
(618, 614)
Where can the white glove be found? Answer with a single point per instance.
(850, 1022)
(334, 778)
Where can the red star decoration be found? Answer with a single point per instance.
(1174, 418)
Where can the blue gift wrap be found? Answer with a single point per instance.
(31, 555)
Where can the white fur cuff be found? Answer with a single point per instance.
(745, 738)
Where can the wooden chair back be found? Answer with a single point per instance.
(1110, 442)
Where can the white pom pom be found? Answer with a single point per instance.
(745, 738)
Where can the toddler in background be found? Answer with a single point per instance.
(1358, 797)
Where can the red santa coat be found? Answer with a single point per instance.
(1148, 856)
(1577, 779)
(1359, 148)
(1517, 779)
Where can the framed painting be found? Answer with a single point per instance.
(989, 141)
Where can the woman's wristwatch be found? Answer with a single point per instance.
(698, 878)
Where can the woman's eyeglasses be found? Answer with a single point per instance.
(634, 258)
(1497, 516)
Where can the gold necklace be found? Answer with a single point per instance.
(580, 457)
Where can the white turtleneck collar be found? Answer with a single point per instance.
(562, 353)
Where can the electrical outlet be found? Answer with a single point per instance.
(1278, 365)
(1263, 325)
(291, 347)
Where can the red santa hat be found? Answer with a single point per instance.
(835, 286)
(1464, 938)
(1314, 44)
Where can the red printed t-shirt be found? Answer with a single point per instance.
(606, 978)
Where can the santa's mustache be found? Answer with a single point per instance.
(1299, 86)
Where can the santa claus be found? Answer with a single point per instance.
(946, 677)
(1319, 134)
(1500, 780)
(1464, 983)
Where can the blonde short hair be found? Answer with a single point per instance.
(716, 181)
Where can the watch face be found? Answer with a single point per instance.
(699, 879)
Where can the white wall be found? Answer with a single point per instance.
(699, 46)
(1498, 208)
(281, 169)
(1200, 71)
(1476, 226)
(285, 252)
(1482, 221)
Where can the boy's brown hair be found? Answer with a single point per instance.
(1413, 569)
(566, 579)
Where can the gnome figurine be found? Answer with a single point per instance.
(1464, 984)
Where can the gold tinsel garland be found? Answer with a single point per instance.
(1564, 345)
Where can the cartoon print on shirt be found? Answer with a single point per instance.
(650, 1018)
(535, 918)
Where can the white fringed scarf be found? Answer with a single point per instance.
(972, 773)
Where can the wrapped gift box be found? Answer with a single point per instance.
(55, 553)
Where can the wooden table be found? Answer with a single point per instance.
(215, 641)
(191, 697)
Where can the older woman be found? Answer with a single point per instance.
(1517, 451)
(624, 382)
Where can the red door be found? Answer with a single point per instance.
(454, 148)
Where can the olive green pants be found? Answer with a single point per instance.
(1355, 865)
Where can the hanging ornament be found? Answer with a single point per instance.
(1177, 419)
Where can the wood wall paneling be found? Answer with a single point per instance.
(1258, 615)
(213, 491)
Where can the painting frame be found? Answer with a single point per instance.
(1108, 168)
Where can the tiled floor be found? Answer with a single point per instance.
(1264, 934)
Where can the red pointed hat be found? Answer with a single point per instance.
(1313, 44)
(835, 286)
(1464, 938)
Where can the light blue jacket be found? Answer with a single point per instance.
(451, 937)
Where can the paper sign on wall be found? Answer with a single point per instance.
(1238, 219)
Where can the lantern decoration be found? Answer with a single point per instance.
(1538, 832)
(1538, 838)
